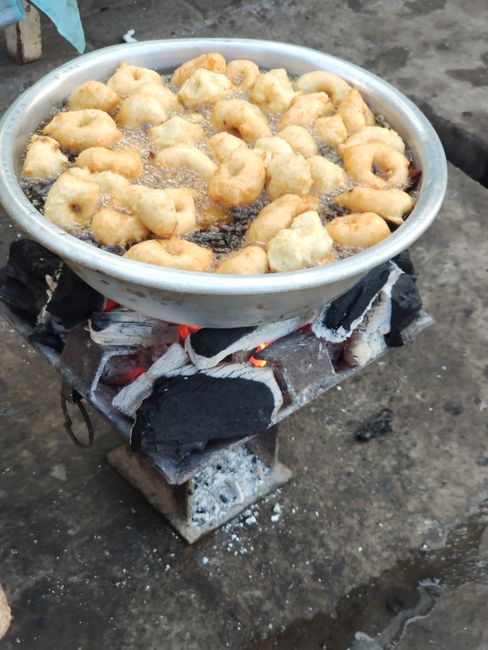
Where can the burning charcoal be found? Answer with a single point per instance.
(23, 284)
(231, 401)
(207, 347)
(126, 328)
(405, 306)
(73, 300)
(378, 425)
(338, 319)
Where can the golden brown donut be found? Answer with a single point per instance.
(127, 79)
(93, 94)
(242, 116)
(111, 227)
(331, 130)
(72, 202)
(365, 134)
(354, 112)
(126, 162)
(239, 180)
(204, 87)
(176, 130)
(109, 183)
(223, 144)
(321, 81)
(251, 260)
(273, 91)
(168, 100)
(78, 130)
(358, 230)
(139, 109)
(172, 253)
(277, 215)
(212, 61)
(390, 204)
(376, 165)
(189, 157)
(243, 73)
(306, 109)
(326, 175)
(44, 158)
(288, 174)
(299, 139)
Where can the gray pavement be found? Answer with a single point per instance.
(87, 563)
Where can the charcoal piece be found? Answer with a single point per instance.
(73, 300)
(378, 425)
(342, 316)
(209, 342)
(23, 285)
(46, 335)
(229, 403)
(405, 306)
(404, 261)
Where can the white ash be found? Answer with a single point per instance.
(226, 484)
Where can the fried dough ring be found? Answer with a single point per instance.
(321, 81)
(111, 227)
(251, 260)
(299, 139)
(175, 131)
(375, 134)
(243, 73)
(272, 146)
(305, 244)
(172, 253)
(126, 162)
(164, 212)
(360, 160)
(93, 94)
(44, 158)
(223, 144)
(242, 116)
(331, 130)
(289, 174)
(139, 109)
(212, 61)
(354, 112)
(127, 79)
(358, 230)
(185, 155)
(239, 180)
(72, 202)
(390, 204)
(204, 87)
(273, 91)
(109, 182)
(78, 130)
(326, 175)
(168, 100)
(277, 215)
(305, 109)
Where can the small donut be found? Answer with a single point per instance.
(164, 212)
(390, 204)
(274, 145)
(127, 79)
(299, 139)
(109, 183)
(172, 253)
(72, 202)
(168, 100)
(175, 131)
(44, 158)
(305, 109)
(326, 175)
(375, 134)
(126, 162)
(111, 227)
(93, 94)
(321, 81)
(305, 244)
(223, 144)
(139, 109)
(331, 131)
(273, 91)
(251, 260)
(185, 155)
(78, 130)
(277, 215)
(358, 230)
(243, 73)
(239, 180)
(212, 216)
(354, 112)
(204, 87)
(213, 61)
(376, 165)
(289, 174)
(242, 116)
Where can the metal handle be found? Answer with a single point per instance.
(74, 397)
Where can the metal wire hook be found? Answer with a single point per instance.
(75, 398)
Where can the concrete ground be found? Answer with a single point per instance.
(378, 544)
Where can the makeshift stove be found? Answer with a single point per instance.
(199, 409)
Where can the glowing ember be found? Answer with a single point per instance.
(110, 305)
(259, 363)
(186, 330)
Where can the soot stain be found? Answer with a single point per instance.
(477, 77)
(425, 6)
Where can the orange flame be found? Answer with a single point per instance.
(186, 330)
(259, 363)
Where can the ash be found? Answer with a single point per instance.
(225, 484)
